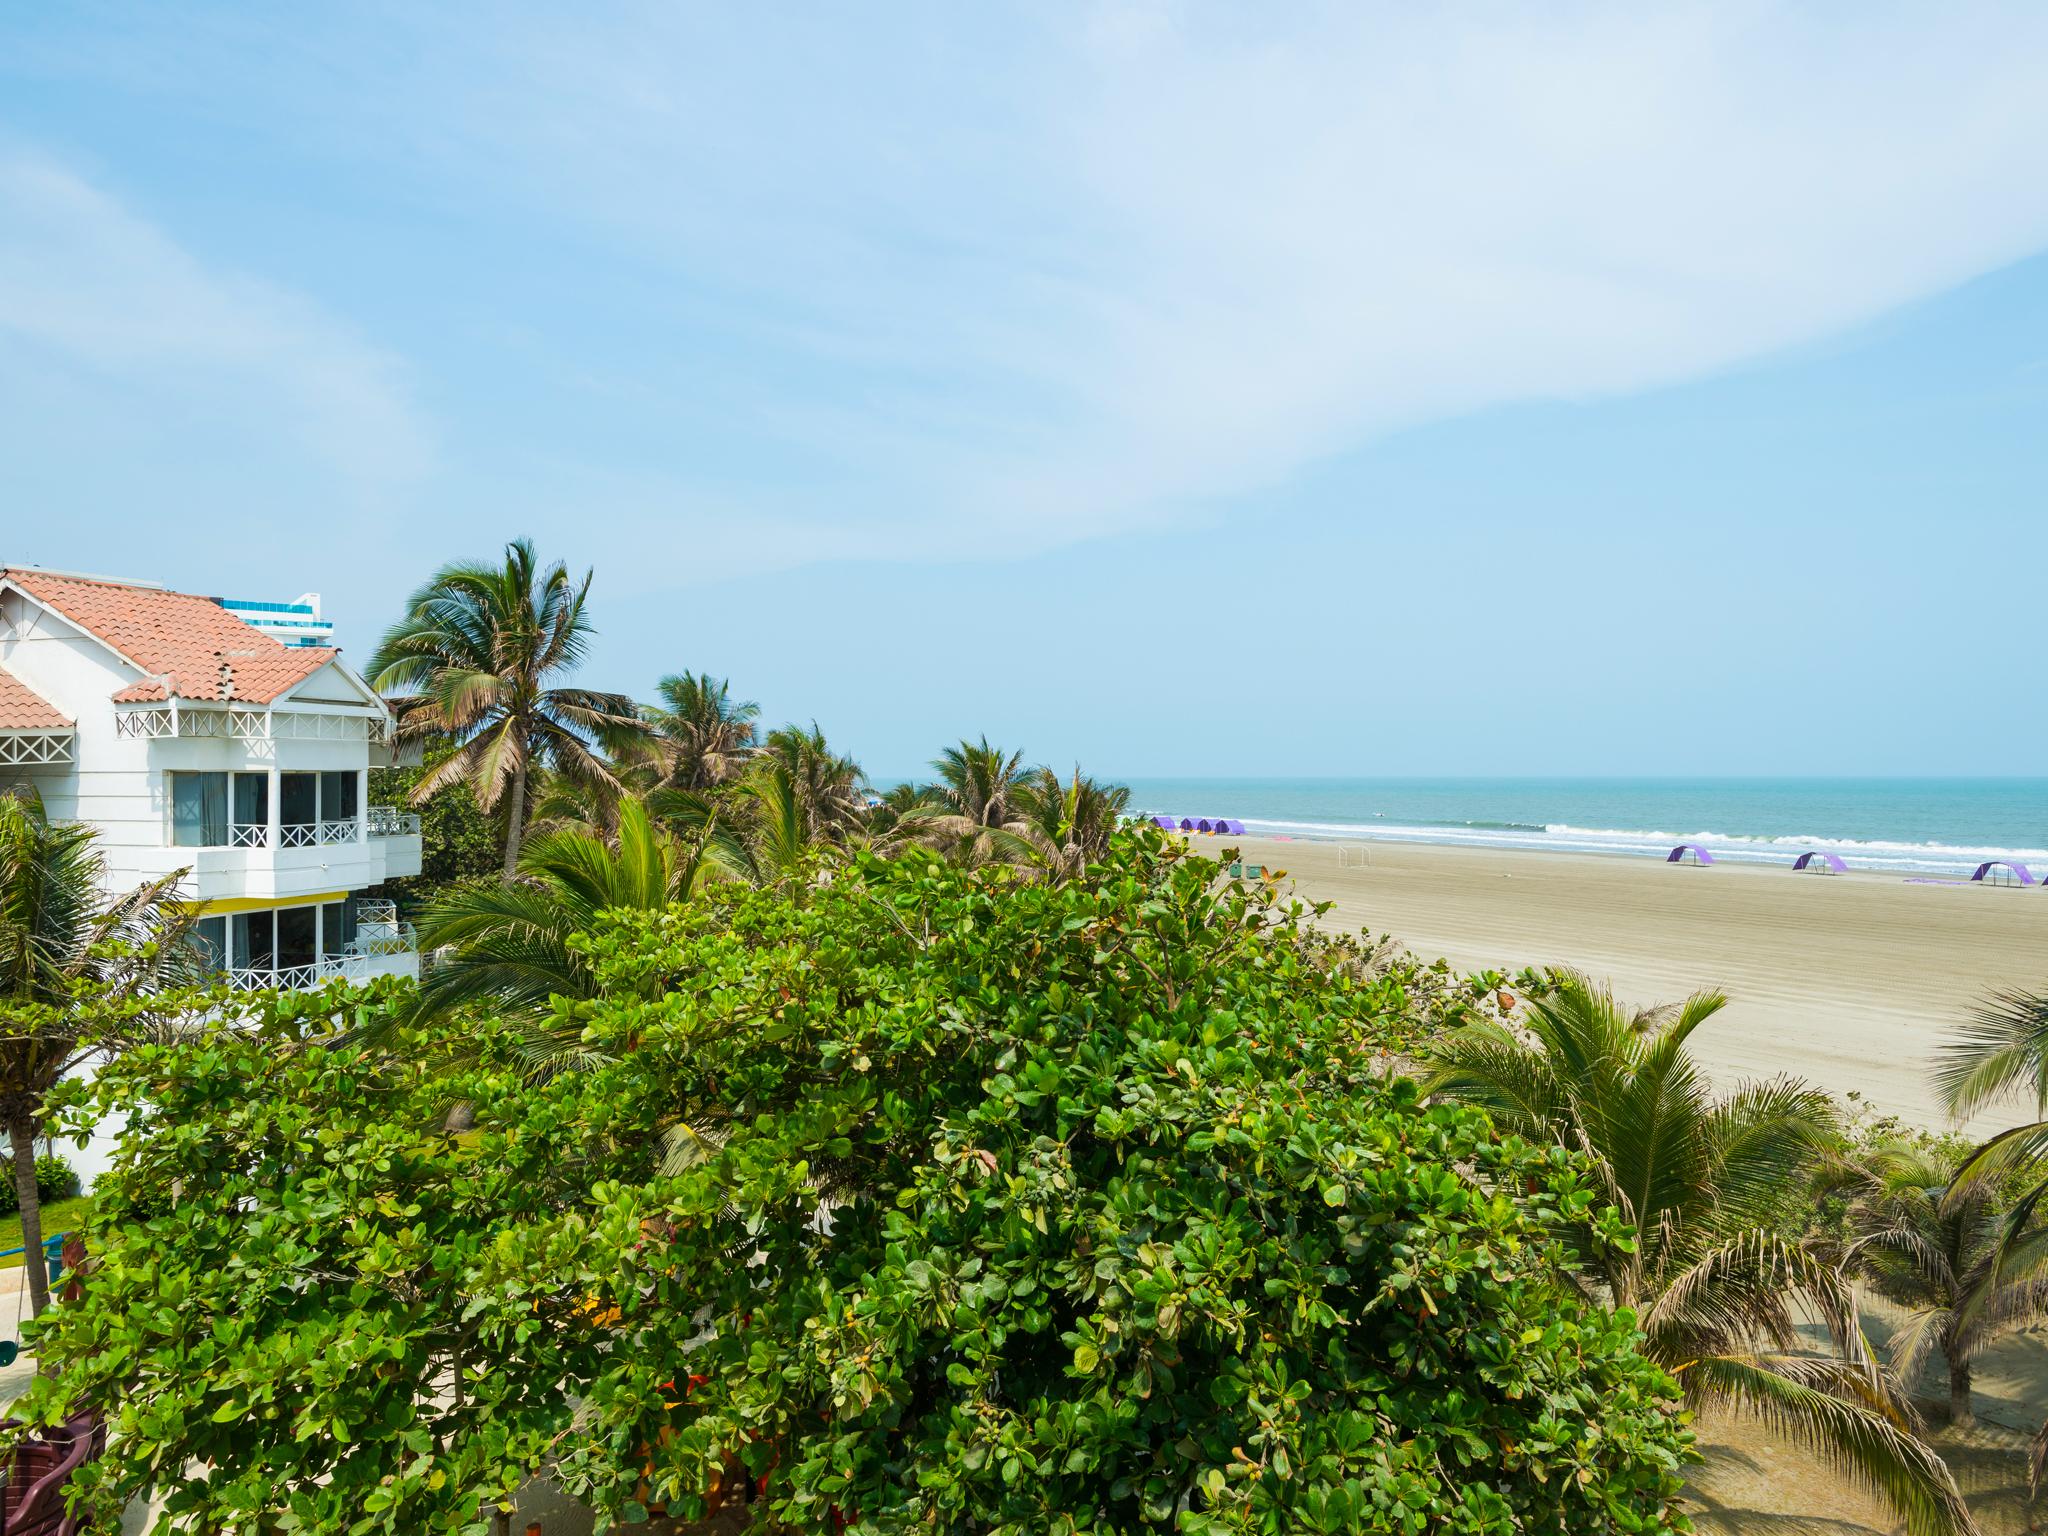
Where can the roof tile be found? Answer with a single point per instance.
(204, 650)
(23, 709)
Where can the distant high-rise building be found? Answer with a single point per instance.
(294, 623)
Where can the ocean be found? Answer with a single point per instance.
(1936, 827)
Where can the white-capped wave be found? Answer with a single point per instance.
(1562, 837)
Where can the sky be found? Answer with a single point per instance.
(1344, 389)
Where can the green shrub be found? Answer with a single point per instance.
(1005, 1207)
(56, 1180)
(945, 1201)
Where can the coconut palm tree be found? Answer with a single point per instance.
(1950, 1260)
(1069, 823)
(507, 946)
(477, 658)
(703, 735)
(983, 784)
(1701, 1180)
(59, 934)
(2000, 1053)
(830, 791)
(980, 809)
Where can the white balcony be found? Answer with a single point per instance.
(389, 821)
(395, 838)
(382, 946)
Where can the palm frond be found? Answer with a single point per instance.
(1791, 1395)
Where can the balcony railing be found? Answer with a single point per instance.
(249, 835)
(318, 834)
(389, 821)
(301, 977)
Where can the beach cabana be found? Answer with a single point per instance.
(1821, 862)
(1234, 828)
(1187, 824)
(1204, 824)
(1686, 853)
(2003, 872)
(1166, 823)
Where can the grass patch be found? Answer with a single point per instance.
(58, 1216)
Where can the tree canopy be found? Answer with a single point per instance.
(948, 1198)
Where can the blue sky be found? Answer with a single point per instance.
(1375, 390)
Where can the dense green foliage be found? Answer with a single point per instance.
(75, 964)
(1707, 1183)
(946, 1200)
(55, 1179)
(294, 1315)
(460, 843)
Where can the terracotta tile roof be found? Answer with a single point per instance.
(23, 709)
(174, 634)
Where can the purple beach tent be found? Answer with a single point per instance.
(2017, 873)
(1234, 828)
(1166, 822)
(1187, 824)
(1699, 854)
(1821, 861)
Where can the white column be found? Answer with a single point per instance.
(362, 805)
(276, 809)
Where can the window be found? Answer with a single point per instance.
(337, 928)
(210, 938)
(298, 799)
(338, 796)
(252, 803)
(296, 944)
(255, 941)
(199, 810)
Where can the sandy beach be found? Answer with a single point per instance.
(1850, 981)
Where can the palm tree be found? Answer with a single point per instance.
(979, 810)
(2000, 1053)
(981, 784)
(479, 650)
(508, 945)
(1700, 1181)
(58, 935)
(703, 735)
(830, 791)
(1949, 1260)
(1069, 824)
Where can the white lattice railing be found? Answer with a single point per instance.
(249, 835)
(387, 939)
(235, 724)
(389, 821)
(300, 977)
(32, 749)
(315, 834)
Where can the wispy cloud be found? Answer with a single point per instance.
(87, 284)
(1040, 278)
(977, 280)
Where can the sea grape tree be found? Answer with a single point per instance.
(944, 1200)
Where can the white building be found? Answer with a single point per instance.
(194, 741)
(295, 623)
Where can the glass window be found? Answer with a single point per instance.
(210, 938)
(199, 810)
(255, 941)
(295, 938)
(298, 799)
(338, 796)
(337, 928)
(252, 800)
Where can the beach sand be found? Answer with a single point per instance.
(1849, 981)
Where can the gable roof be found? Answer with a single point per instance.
(23, 709)
(203, 651)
